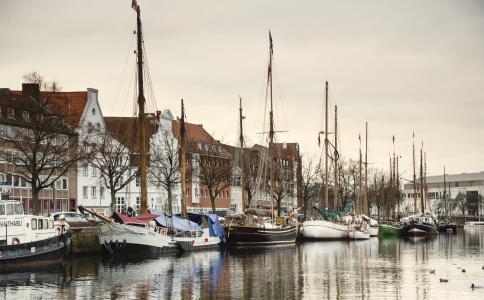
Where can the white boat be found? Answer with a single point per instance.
(474, 224)
(28, 240)
(359, 232)
(324, 230)
(374, 228)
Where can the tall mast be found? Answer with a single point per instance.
(445, 200)
(414, 181)
(271, 132)
(358, 212)
(421, 185)
(141, 118)
(365, 206)
(391, 187)
(335, 157)
(242, 162)
(182, 161)
(326, 152)
(394, 182)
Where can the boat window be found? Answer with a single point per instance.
(9, 209)
(2, 209)
(51, 224)
(39, 224)
(18, 209)
(34, 224)
(46, 223)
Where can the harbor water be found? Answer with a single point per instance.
(379, 268)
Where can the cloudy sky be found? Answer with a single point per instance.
(405, 67)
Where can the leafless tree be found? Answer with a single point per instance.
(40, 145)
(113, 148)
(164, 168)
(214, 168)
(310, 173)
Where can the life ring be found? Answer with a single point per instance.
(15, 240)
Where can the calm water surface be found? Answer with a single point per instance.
(381, 268)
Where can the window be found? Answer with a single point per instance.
(119, 204)
(84, 192)
(93, 192)
(10, 113)
(187, 192)
(25, 115)
(101, 192)
(137, 179)
(93, 170)
(64, 184)
(85, 170)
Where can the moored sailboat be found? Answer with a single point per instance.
(424, 224)
(246, 229)
(140, 235)
(327, 228)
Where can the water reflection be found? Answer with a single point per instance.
(379, 268)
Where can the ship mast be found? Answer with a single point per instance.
(335, 157)
(182, 161)
(242, 162)
(326, 193)
(271, 133)
(141, 117)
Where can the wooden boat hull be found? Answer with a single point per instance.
(36, 253)
(388, 229)
(324, 230)
(419, 228)
(257, 236)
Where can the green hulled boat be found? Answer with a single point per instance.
(390, 229)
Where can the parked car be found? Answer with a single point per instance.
(70, 217)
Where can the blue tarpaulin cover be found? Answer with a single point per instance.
(213, 224)
(175, 221)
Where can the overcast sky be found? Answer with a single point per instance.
(402, 66)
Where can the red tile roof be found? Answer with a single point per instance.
(70, 105)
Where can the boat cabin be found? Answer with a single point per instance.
(17, 227)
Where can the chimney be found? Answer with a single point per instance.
(31, 90)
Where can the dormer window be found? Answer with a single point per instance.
(25, 115)
(11, 113)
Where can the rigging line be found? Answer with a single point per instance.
(122, 75)
(151, 104)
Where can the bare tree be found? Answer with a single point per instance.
(40, 143)
(310, 174)
(113, 148)
(214, 168)
(164, 168)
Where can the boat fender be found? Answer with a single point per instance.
(15, 240)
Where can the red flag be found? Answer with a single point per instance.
(134, 5)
